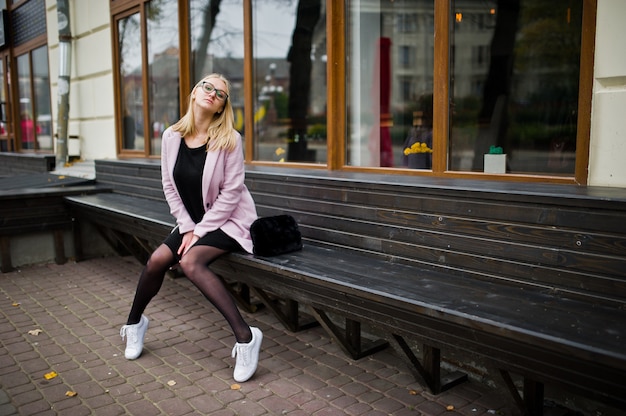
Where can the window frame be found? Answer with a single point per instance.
(26, 48)
(6, 112)
(336, 15)
(10, 55)
(121, 9)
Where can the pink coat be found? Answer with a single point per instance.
(227, 202)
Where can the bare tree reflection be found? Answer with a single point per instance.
(492, 117)
(208, 12)
(308, 14)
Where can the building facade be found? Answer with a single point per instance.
(409, 87)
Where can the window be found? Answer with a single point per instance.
(25, 108)
(6, 142)
(406, 56)
(34, 100)
(390, 106)
(131, 86)
(160, 56)
(419, 87)
(523, 101)
(290, 116)
(217, 47)
(163, 70)
(148, 75)
(497, 78)
(406, 23)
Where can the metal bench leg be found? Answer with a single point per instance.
(289, 315)
(79, 254)
(59, 247)
(350, 340)
(430, 370)
(533, 396)
(5, 250)
(532, 402)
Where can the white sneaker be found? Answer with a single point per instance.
(247, 356)
(134, 338)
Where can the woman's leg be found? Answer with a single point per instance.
(150, 281)
(195, 266)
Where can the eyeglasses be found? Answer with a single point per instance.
(209, 88)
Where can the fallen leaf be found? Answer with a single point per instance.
(35, 331)
(16, 304)
(171, 383)
(449, 407)
(235, 386)
(70, 393)
(412, 392)
(50, 375)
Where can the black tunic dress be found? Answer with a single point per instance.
(188, 178)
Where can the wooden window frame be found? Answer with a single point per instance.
(337, 100)
(336, 16)
(121, 9)
(23, 49)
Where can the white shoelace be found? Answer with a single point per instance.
(242, 351)
(130, 332)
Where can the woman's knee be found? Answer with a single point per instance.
(189, 266)
(160, 261)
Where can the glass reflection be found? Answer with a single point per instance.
(390, 57)
(42, 113)
(163, 69)
(27, 123)
(514, 84)
(217, 46)
(129, 49)
(5, 144)
(290, 80)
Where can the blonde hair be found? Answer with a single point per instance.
(221, 131)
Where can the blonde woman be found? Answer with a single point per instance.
(202, 171)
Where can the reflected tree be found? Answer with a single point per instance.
(208, 12)
(299, 56)
(493, 112)
(532, 82)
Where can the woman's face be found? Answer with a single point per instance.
(211, 94)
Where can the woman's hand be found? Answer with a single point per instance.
(189, 239)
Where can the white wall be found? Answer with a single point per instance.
(92, 110)
(607, 153)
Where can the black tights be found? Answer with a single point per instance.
(195, 266)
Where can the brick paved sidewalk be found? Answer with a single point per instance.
(66, 319)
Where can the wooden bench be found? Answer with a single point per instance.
(134, 219)
(34, 203)
(12, 164)
(529, 278)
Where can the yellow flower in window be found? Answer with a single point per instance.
(417, 147)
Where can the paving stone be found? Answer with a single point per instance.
(37, 408)
(32, 396)
(358, 409)
(175, 407)
(251, 408)
(8, 410)
(143, 408)
(205, 404)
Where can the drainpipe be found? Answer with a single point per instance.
(63, 84)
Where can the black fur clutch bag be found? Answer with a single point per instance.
(275, 235)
